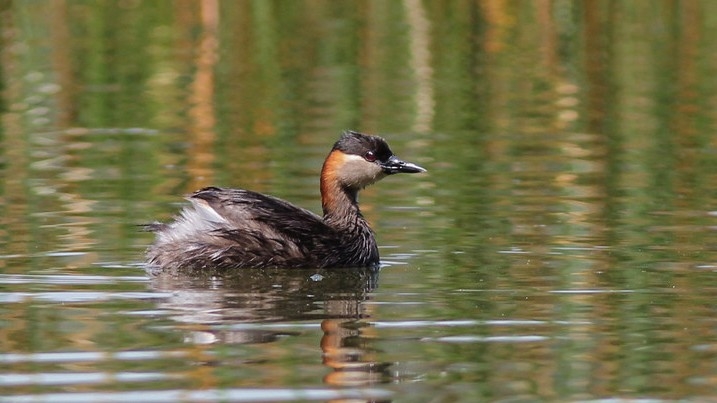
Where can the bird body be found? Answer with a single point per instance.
(235, 228)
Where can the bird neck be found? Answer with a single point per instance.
(341, 212)
(340, 204)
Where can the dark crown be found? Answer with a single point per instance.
(356, 143)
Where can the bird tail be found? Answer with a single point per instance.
(152, 227)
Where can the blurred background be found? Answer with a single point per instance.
(561, 246)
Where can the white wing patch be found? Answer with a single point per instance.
(199, 218)
(206, 212)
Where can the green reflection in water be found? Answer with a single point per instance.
(560, 247)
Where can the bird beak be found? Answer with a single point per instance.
(395, 165)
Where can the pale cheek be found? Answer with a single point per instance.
(359, 174)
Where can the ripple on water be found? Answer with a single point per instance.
(487, 339)
(78, 296)
(79, 378)
(88, 356)
(68, 280)
(211, 395)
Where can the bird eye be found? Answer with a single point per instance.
(369, 156)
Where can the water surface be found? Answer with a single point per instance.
(562, 246)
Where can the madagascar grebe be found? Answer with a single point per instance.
(237, 228)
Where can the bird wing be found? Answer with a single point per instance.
(247, 211)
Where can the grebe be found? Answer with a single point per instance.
(237, 228)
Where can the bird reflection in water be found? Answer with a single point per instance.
(233, 308)
(346, 350)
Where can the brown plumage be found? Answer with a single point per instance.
(237, 228)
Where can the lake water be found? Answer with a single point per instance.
(561, 247)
